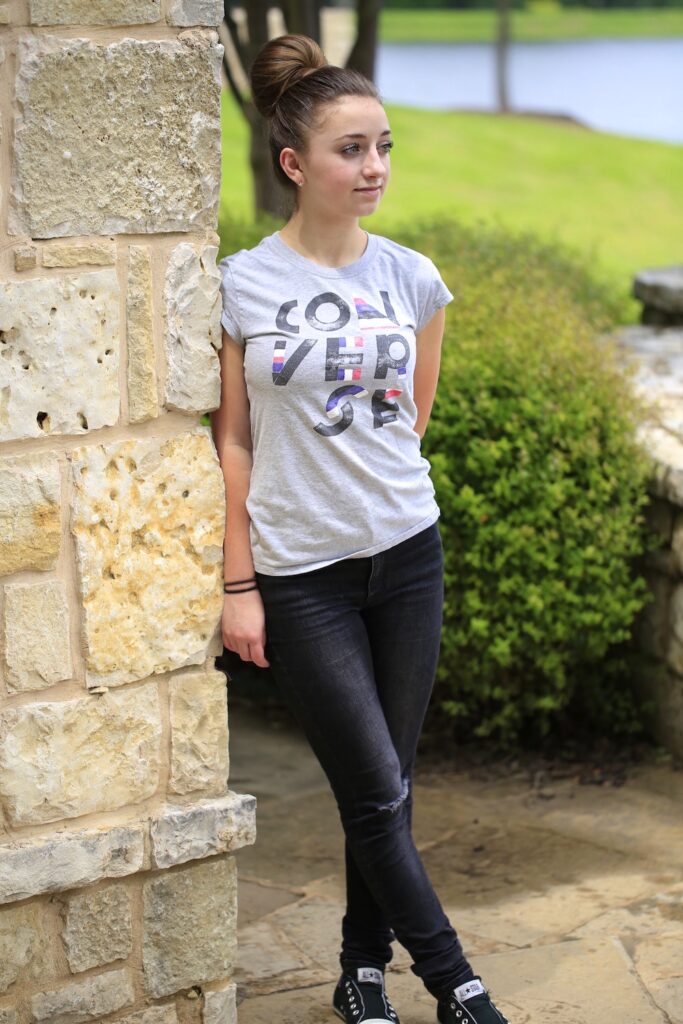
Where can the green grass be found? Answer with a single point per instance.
(617, 200)
(545, 23)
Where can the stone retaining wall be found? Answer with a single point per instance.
(117, 826)
(656, 349)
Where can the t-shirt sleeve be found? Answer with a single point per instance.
(434, 294)
(230, 314)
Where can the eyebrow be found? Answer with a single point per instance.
(360, 135)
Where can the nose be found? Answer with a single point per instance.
(373, 166)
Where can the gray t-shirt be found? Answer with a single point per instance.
(329, 358)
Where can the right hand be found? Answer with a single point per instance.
(243, 626)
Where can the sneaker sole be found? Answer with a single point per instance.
(368, 1020)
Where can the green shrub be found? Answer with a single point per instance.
(542, 488)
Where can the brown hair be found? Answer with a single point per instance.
(290, 81)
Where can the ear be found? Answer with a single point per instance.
(289, 162)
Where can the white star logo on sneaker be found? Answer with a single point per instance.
(469, 989)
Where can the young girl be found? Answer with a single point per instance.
(333, 556)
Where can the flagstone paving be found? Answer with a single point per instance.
(567, 897)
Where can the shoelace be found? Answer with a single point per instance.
(355, 1010)
(467, 1019)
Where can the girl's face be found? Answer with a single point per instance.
(346, 165)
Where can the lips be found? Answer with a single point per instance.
(374, 188)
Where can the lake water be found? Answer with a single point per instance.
(628, 86)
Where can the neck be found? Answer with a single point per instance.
(332, 243)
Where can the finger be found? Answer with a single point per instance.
(258, 656)
(243, 651)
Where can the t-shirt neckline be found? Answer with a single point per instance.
(284, 251)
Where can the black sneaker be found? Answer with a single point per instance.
(360, 997)
(469, 1003)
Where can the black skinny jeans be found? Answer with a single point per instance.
(354, 647)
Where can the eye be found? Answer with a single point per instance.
(353, 148)
(386, 146)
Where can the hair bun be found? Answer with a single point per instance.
(280, 64)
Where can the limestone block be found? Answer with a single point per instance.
(670, 407)
(153, 1015)
(195, 12)
(667, 452)
(656, 354)
(49, 750)
(64, 254)
(220, 1006)
(25, 257)
(659, 516)
(193, 329)
(677, 540)
(67, 860)
(199, 733)
(143, 402)
(85, 999)
(148, 517)
(37, 649)
(93, 12)
(117, 137)
(60, 354)
(30, 528)
(675, 651)
(183, 833)
(4, 16)
(20, 944)
(661, 287)
(189, 918)
(663, 561)
(98, 927)
(652, 623)
(8, 1016)
(665, 690)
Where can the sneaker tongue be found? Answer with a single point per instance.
(469, 989)
(372, 974)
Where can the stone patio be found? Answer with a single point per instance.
(567, 896)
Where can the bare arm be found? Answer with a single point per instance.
(243, 618)
(427, 363)
(232, 437)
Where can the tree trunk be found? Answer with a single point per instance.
(502, 52)
(257, 26)
(362, 56)
(303, 17)
(268, 194)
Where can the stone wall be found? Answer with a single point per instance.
(117, 874)
(655, 350)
